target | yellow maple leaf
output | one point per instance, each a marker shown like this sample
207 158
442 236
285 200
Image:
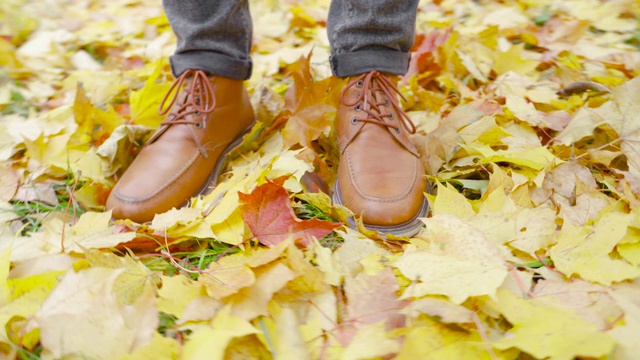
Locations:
232 230
176 293
159 348
536 158
85 304
231 273
430 340
513 60
461 262
584 251
26 297
94 124
547 331
92 231
371 341
145 102
450 201
210 341
252 301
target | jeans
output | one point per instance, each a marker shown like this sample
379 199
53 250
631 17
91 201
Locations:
365 35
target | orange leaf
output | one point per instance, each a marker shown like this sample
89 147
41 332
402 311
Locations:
270 217
424 51
312 104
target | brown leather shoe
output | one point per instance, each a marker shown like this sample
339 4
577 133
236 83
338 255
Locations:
380 175
206 118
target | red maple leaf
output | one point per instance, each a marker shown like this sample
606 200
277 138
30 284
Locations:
270 217
424 52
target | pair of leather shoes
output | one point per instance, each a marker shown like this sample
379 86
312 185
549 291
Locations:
380 175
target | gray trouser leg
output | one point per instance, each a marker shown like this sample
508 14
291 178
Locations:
371 35
213 36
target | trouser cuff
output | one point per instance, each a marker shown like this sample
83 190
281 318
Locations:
212 63
364 61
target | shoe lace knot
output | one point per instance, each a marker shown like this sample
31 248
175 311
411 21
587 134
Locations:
373 83
198 99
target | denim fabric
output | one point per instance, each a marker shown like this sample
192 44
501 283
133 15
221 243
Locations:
370 35
213 36
365 35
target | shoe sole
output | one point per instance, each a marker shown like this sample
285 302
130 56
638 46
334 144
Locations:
407 229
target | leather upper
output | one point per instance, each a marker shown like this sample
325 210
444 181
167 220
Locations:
380 175
204 116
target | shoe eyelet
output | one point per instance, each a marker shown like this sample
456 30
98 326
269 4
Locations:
354 120
391 117
198 125
358 95
386 102
359 83
397 130
197 100
358 107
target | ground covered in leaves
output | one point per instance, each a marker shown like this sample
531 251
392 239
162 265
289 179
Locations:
529 127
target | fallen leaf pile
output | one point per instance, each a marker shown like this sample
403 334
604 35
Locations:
528 116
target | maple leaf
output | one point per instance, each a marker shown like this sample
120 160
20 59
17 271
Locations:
87 302
422 52
528 176
268 212
372 298
460 263
547 331
312 104
585 250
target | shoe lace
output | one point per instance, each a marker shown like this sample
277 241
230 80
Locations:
372 83
200 99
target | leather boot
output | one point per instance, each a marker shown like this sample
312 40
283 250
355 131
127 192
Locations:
380 175
206 118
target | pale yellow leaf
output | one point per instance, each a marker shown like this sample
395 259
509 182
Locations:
226 276
176 293
446 311
116 150
353 250
514 60
159 348
485 130
231 230
584 251
371 341
439 342
252 302
289 344
38 288
8 181
208 342
460 263
590 301
547 331
626 101
84 304
536 158
525 111
630 252
450 201
90 222
626 297
145 102
175 217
